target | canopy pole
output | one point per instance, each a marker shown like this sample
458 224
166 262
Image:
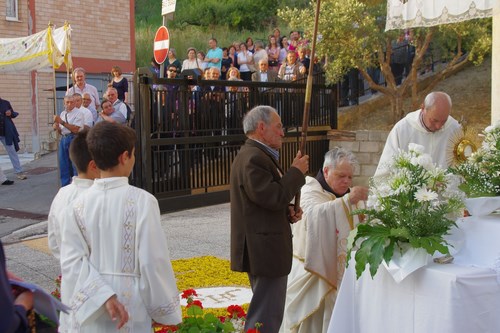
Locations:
307 102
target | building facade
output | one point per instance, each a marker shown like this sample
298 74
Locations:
103 35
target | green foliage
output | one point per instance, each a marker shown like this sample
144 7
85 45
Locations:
354 30
235 14
353 36
350 32
196 322
195 22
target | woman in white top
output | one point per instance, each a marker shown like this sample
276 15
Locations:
201 61
191 62
283 50
245 61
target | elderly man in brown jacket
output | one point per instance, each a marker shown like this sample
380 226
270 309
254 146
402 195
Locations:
261 213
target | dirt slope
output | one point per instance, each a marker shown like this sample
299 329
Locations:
470 91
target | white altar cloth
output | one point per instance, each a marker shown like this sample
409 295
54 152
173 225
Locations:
463 297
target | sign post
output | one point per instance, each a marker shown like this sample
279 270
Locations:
167 10
167 7
161 45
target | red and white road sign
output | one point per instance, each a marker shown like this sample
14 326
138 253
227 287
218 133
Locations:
161 45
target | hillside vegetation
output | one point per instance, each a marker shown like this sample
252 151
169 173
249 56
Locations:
195 22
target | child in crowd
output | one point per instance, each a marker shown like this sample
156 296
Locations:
114 251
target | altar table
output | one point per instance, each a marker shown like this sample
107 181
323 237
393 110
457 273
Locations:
463 297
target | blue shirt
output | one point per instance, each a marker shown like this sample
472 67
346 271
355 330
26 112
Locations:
217 53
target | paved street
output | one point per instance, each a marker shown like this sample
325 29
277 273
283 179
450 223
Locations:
23 224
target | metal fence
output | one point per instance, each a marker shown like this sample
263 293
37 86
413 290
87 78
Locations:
190 131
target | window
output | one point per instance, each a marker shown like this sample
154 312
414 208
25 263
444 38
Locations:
12 10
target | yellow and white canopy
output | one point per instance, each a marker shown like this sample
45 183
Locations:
47 48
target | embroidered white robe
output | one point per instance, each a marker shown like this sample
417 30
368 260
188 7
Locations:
58 214
62 201
319 258
410 130
114 244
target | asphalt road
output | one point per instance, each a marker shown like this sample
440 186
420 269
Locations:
27 202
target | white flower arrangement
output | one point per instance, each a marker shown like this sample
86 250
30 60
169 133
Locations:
417 203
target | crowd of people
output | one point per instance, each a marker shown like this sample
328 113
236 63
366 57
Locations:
81 105
286 56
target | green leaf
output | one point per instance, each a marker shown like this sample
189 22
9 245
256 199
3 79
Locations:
430 244
351 238
389 250
194 330
194 310
376 255
370 252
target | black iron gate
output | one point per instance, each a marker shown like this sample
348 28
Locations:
190 131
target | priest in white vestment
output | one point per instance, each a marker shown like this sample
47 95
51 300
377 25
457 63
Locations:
320 243
113 246
431 126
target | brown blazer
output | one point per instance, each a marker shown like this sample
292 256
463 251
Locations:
272 76
261 237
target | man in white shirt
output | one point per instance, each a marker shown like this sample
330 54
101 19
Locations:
431 127
119 106
260 53
81 86
88 119
87 102
70 122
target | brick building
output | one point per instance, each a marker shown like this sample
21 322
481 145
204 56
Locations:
102 36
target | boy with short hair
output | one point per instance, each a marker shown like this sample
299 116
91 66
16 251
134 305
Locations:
114 246
87 172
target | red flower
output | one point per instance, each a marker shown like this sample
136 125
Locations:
188 293
253 330
222 319
195 302
236 311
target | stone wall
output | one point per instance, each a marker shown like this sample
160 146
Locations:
366 145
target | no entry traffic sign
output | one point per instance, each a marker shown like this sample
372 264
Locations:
161 44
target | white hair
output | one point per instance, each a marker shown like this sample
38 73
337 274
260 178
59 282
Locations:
254 116
336 155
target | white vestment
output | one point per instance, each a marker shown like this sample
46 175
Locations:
113 243
62 201
58 214
319 259
410 130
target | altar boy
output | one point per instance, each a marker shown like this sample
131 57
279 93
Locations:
114 246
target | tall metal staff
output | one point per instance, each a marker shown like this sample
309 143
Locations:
307 102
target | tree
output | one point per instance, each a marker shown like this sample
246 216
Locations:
352 36
235 14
